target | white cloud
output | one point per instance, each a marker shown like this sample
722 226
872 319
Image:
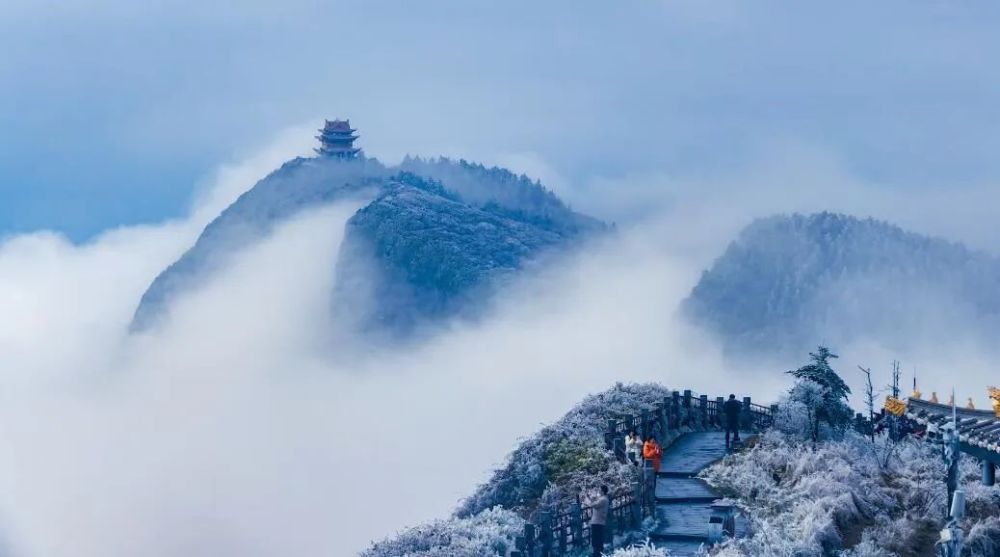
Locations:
234 430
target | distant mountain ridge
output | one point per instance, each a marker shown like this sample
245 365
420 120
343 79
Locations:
790 281
435 239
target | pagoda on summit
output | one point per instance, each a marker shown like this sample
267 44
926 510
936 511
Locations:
336 140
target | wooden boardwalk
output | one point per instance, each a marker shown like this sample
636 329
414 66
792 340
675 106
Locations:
683 502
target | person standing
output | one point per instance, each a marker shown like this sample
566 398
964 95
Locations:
633 448
651 451
599 510
732 409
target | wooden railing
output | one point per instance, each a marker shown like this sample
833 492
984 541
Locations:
563 530
568 529
679 411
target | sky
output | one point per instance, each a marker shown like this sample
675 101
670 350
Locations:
126 127
115 113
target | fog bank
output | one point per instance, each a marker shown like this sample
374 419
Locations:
234 428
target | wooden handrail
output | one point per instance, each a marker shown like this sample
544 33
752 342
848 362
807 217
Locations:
562 530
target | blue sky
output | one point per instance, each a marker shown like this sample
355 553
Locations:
113 111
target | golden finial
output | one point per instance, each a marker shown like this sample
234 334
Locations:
915 394
969 405
995 400
934 398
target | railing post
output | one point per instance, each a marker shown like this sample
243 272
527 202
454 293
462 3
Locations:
746 418
545 532
664 416
647 427
636 508
613 441
719 403
704 411
529 539
989 473
675 410
609 435
686 420
562 537
576 522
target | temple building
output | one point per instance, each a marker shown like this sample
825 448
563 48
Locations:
336 140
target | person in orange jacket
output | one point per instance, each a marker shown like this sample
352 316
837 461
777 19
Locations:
651 451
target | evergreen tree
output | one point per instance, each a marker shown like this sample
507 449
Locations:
832 406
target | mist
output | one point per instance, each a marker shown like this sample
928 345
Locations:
236 428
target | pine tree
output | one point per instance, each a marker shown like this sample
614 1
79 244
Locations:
832 408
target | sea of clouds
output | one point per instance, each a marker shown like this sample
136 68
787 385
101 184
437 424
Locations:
236 427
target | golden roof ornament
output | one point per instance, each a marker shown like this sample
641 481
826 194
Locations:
895 406
995 400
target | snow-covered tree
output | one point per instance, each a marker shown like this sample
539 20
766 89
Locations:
822 392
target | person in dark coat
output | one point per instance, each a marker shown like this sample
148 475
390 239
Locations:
732 409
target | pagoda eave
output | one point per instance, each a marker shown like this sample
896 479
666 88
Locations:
334 136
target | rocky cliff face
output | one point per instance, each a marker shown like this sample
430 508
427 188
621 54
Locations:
428 246
788 283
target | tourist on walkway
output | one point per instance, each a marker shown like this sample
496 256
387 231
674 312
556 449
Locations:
652 452
600 508
633 448
732 409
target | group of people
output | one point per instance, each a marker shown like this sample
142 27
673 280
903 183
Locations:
637 450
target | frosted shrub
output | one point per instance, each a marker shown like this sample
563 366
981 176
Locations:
809 499
524 479
983 538
792 419
550 468
489 533
982 513
643 550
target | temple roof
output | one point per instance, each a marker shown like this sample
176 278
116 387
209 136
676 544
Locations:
338 126
976 428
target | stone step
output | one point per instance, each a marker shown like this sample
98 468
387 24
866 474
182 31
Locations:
687 521
680 548
677 475
669 490
693 452
683 502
